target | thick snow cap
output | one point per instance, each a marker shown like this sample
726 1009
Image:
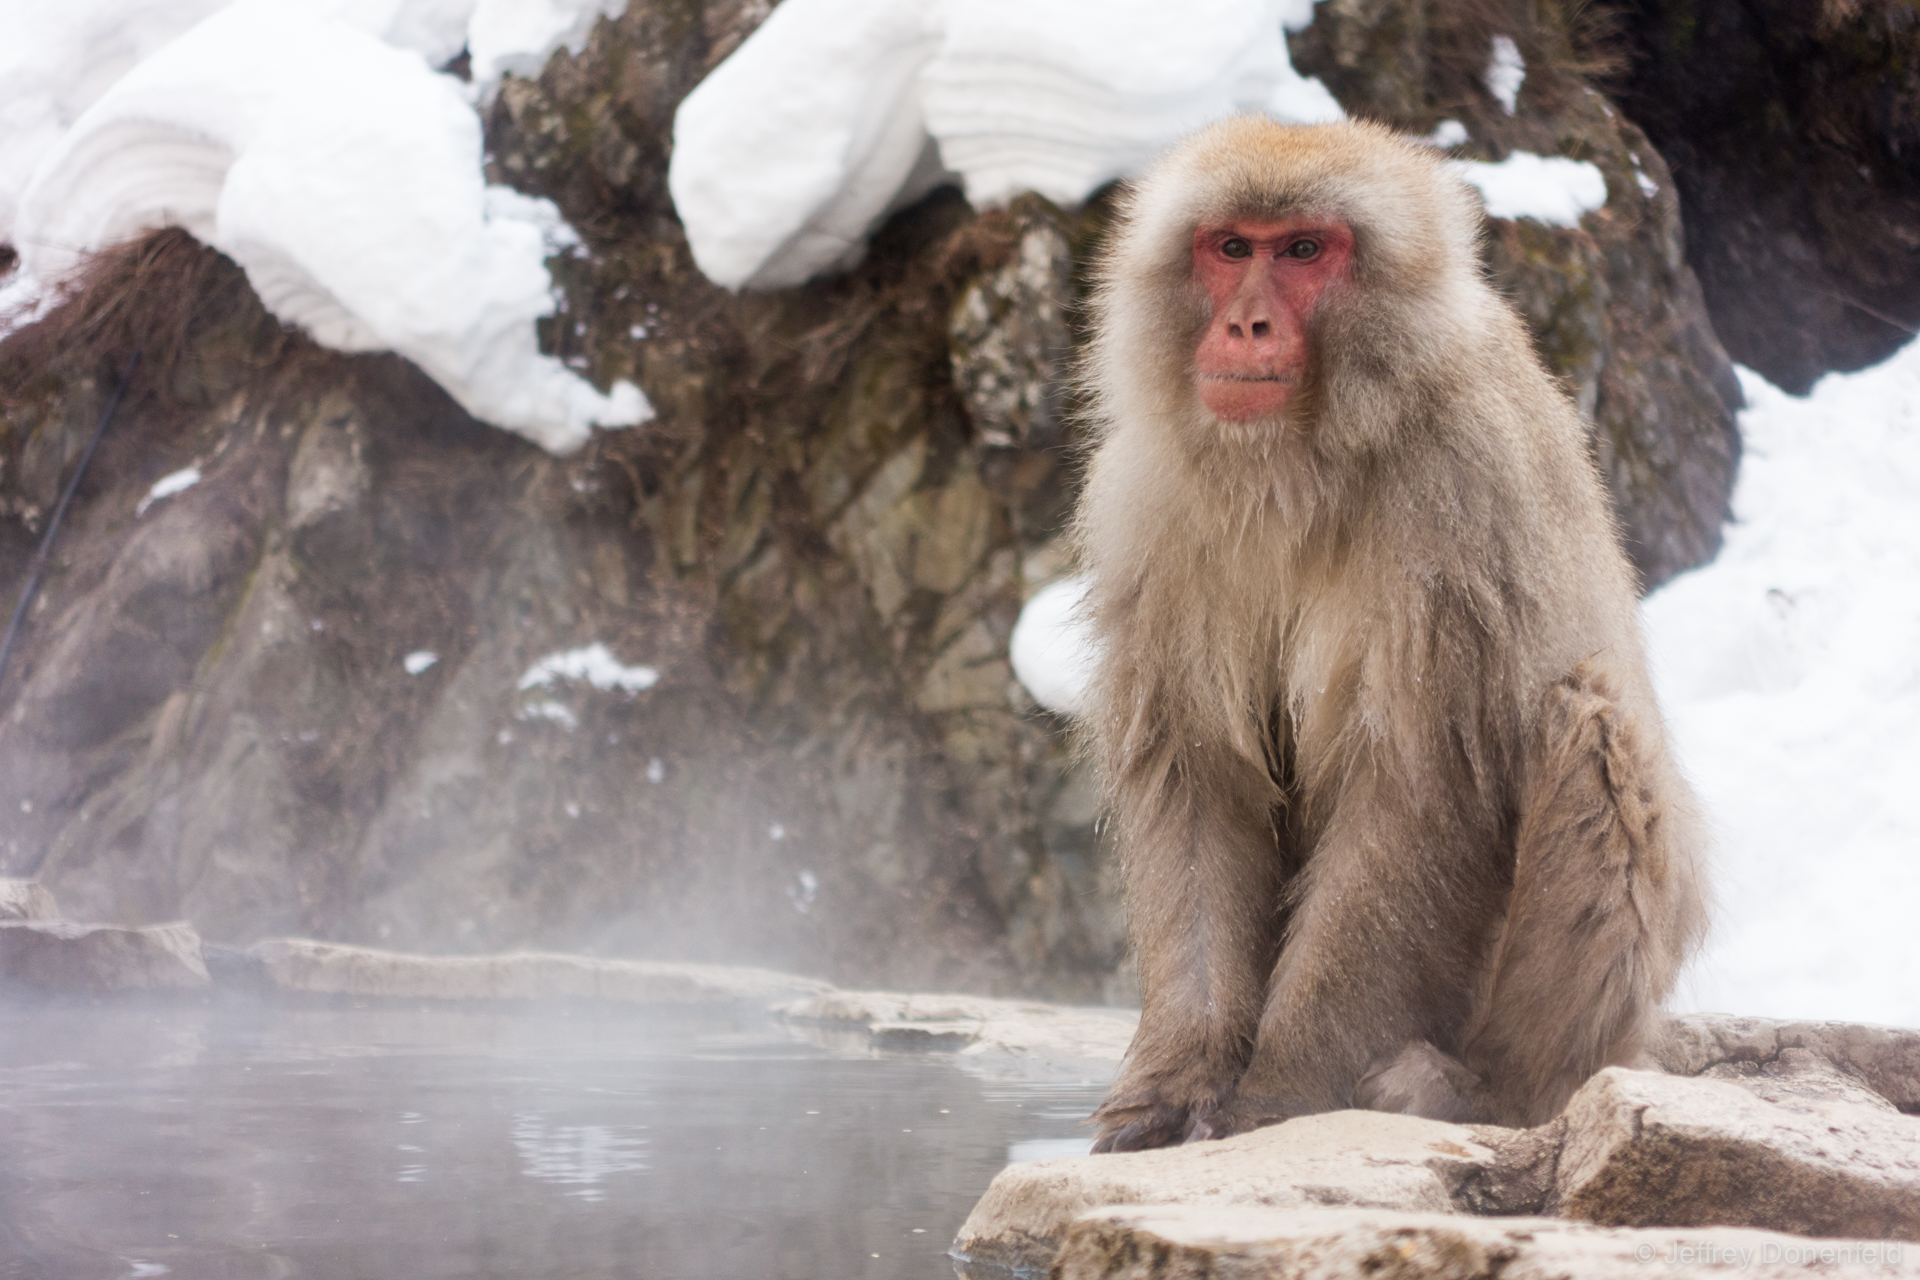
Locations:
344 175
836 112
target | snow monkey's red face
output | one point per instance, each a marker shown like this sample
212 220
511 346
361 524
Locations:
1265 280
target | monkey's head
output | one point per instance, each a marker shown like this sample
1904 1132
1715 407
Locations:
1267 277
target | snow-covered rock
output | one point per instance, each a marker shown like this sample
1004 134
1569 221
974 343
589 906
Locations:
313 144
780 169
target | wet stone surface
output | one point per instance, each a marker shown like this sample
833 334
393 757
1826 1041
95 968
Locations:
238 1139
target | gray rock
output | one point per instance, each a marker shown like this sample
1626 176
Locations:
1802 1149
1791 134
54 956
325 968
26 900
1252 1243
1011 345
1362 1159
1886 1059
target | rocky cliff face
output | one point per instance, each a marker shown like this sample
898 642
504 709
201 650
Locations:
222 704
1793 131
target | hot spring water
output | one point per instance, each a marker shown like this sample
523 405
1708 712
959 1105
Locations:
237 1140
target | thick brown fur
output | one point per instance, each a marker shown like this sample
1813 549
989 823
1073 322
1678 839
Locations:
1400 822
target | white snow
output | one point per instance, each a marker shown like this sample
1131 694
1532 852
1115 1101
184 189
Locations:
418 661
1051 651
516 36
1506 72
804 889
1551 189
57 58
595 664
23 300
1448 133
1648 187
548 709
779 172
1790 673
310 141
166 486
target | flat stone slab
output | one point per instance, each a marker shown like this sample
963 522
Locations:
26 900
300 965
1359 1158
1785 1142
57 957
1188 1242
1799 1147
976 1027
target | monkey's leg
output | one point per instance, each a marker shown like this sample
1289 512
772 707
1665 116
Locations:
1387 932
1606 906
1204 874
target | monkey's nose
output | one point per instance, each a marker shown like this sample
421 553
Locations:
1260 330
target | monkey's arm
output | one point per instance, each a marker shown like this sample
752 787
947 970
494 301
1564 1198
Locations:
1606 904
1389 916
1204 877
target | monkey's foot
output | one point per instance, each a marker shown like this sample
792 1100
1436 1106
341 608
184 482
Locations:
1242 1115
1145 1118
1420 1080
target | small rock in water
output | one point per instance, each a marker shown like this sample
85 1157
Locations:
924 1036
54 956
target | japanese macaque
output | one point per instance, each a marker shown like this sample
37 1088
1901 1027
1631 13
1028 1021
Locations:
1400 823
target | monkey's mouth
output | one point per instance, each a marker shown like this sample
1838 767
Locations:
1245 397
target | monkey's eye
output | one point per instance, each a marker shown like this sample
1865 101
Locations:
1303 249
1235 247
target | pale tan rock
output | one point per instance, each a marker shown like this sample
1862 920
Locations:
1358 1158
54 956
26 900
1802 1150
1214 1242
1039 1034
326 968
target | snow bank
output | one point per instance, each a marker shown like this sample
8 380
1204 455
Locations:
780 171
1790 672
311 142
1051 652
1553 189
57 59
